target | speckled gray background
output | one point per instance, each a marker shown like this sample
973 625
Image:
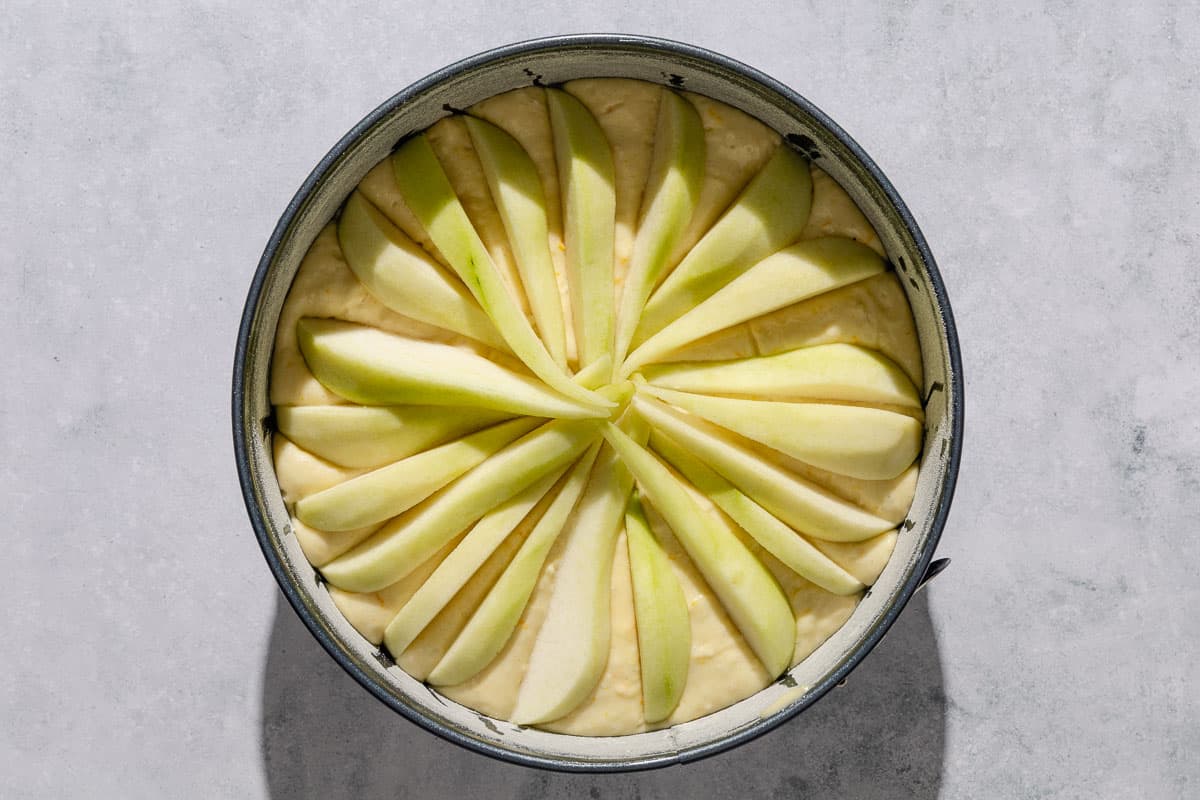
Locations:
1050 154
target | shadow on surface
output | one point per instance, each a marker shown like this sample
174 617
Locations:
880 736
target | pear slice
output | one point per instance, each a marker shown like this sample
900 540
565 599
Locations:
795 273
664 629
585 170
408 540
370 612
404 278
745 588
453 573
676 175
372 367
428 192
769 214
872 313
776 538
864 560
493 623
858 441
517 192
572 647
626 111
805 507
736 147
826 372
385 492
371 436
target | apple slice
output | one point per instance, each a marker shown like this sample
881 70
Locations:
572 646
663 626
676 175
405 542
494 621
517 192
807 508
775 537
428 192
826 372
453 573
803 270
585 170
769 214
372 367
745 588
385 492
858 441
404 278
371 436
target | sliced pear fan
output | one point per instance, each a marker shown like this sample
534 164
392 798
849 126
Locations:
586 327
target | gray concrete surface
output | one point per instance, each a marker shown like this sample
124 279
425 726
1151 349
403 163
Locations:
1049 152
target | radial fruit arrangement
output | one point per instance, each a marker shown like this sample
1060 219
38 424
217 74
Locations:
596 406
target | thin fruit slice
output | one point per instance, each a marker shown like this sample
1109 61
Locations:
585 170
626 111
494 621
404 278
453 573
676 175
370 612
826 372
769 214
370 436
858 441
793 274
428 192
775 537
517 192
746 589
572 646
385 492
805 507
872 313
864 560
369 366
405 542
663 629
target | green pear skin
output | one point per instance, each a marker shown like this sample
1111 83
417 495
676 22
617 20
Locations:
664 628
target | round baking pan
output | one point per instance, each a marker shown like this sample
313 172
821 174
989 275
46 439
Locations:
804 127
